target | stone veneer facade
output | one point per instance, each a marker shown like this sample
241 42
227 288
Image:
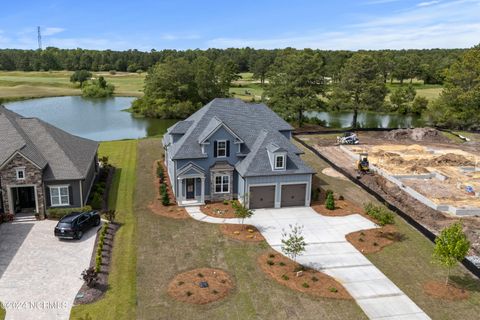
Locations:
33 177
221 196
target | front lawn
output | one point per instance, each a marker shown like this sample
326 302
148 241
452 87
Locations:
119 301
408 262
167 247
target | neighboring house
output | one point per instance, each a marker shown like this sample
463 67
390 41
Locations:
42 166
230 149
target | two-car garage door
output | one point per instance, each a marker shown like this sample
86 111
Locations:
292 195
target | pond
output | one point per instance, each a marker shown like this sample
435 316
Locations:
96 119
367 119
104 119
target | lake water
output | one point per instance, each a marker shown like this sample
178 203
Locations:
367 119
103 119
96 119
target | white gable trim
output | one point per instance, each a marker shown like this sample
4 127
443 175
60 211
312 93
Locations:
191 166
238 139
13 156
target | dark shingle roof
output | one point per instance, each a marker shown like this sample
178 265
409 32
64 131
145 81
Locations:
64 156
250 122
180 127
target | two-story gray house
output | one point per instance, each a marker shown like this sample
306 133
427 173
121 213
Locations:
230 149
42 166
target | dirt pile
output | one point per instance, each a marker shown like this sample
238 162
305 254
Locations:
417 134
449 159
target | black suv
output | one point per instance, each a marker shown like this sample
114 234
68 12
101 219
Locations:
75 224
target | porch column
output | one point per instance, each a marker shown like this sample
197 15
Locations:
202 188
180 190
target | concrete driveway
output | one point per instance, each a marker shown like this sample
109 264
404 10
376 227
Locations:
39 274
328 251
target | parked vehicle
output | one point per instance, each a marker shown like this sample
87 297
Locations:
348 138
74 225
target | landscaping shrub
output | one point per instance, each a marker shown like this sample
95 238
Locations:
330 202
226 202
379 213
333 289
305 285
165 199
314 279
270 262
97 201
58 213
89 276
160 172
316 194
110 215
285 277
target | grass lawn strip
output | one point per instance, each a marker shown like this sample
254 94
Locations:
119 301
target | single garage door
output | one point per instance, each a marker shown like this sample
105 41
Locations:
262 197
293 195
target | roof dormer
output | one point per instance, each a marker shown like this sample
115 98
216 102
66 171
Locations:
277 156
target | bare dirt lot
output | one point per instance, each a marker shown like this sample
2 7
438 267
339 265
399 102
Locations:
432 219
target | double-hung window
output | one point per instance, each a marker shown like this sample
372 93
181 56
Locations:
221 148
279 162
59 196
222 184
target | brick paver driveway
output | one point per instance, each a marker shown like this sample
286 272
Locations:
39 274
328 251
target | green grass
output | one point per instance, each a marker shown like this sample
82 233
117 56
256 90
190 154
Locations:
167 247
2 313
407 263
119 301
16 85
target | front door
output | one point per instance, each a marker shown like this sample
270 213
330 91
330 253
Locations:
190 188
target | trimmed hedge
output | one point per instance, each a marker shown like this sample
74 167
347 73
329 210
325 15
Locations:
58 213
379 213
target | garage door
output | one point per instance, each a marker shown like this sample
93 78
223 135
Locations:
262 197
293 195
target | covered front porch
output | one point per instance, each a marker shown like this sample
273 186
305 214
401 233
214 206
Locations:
191 186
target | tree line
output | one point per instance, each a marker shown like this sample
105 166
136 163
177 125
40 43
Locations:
404 65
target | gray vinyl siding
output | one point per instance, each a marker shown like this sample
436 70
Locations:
74 187
278 181
87 183
206 163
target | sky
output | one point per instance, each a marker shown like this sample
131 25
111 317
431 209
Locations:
261 24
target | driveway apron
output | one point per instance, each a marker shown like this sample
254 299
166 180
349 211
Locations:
328 251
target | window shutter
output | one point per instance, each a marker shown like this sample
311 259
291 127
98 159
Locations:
215 149
228 148
70 195
47 196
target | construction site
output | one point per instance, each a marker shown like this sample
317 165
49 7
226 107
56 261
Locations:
429 175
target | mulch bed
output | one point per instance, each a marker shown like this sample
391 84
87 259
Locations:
89 295
283 270
218 210
186 287
241 232
374 240
342 208
441 291
156 206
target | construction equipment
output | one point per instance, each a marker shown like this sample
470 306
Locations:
363 165
348 138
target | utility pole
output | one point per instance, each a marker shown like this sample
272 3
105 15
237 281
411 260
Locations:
39 38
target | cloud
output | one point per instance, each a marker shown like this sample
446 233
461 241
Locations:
452 24
427 3
172 37
373 2
50 31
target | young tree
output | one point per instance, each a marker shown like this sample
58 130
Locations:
293 243
241 211
330 201
361 86
295 83
80 76
451 246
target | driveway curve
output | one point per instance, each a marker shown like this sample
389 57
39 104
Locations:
39 274
328 251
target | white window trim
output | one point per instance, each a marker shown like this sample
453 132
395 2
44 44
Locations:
221 183
218 148
20 169
275 161
58 187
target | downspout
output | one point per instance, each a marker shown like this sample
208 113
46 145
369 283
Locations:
81 192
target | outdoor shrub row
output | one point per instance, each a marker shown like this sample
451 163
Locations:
101 242
58 213
379 213
160 172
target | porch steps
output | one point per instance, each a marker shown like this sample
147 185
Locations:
24 218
